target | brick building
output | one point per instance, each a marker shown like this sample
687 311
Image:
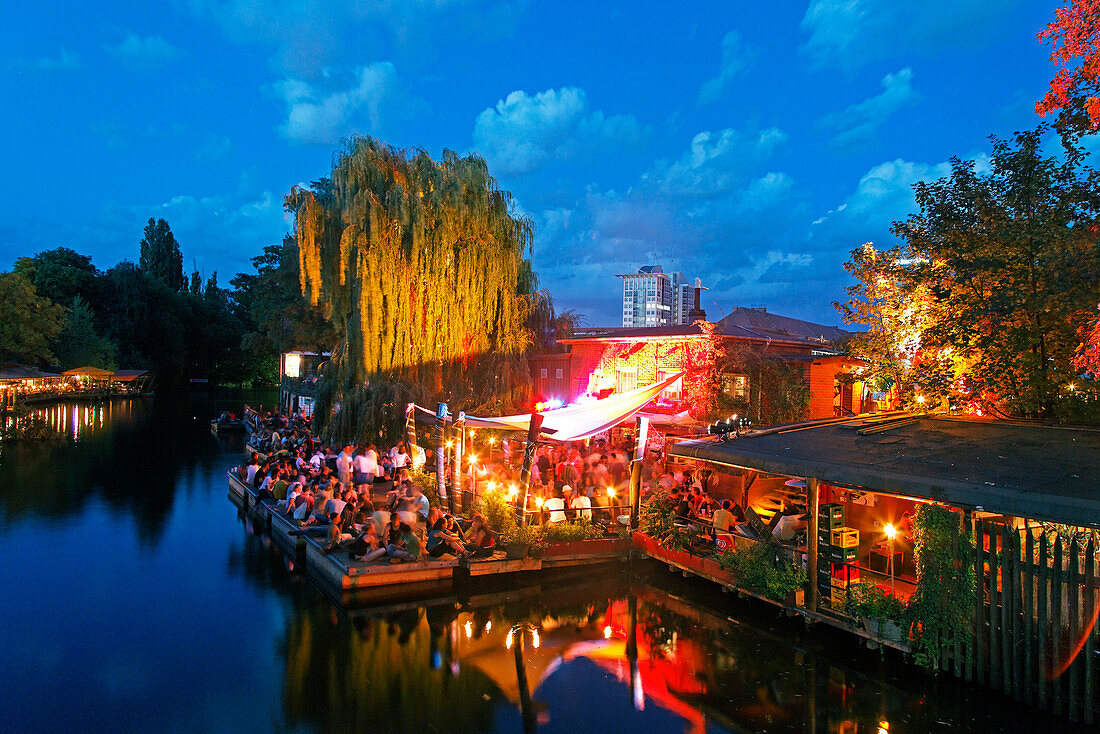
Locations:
606 360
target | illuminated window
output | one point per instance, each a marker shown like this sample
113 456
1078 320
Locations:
558 373
626 378
542 373
292 366
673 391
736 386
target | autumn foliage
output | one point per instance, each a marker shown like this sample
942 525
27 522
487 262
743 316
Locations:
1074 37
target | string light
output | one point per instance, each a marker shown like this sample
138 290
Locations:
488 625
607 632
508 639
469 627
535 638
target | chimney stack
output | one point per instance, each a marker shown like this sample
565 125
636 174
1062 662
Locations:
697 313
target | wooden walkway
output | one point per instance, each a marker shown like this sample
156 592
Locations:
340 574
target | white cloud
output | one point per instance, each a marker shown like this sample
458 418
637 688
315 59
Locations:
324 116
857 123
716 163
734 56
308 36
144 52
521 133
66 61
848 33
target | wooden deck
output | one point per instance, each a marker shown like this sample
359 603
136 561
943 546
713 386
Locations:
339 574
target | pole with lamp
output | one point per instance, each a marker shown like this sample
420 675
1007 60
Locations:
891 533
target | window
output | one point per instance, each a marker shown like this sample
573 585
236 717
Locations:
736 386
626 378
542 373
559 373
674 391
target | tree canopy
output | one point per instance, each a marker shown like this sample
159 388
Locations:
997 274
161 258
28 323
1074 38
422 266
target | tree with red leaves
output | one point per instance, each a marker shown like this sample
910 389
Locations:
1074 37
1087 358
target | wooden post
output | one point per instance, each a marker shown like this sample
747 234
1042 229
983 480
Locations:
1029 612
440 455
526 705
641 431
1073 597
1056 622
410 426
812 500
533 432
1088 650
458 435
1042 625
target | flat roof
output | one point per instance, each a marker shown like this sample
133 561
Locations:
1023 469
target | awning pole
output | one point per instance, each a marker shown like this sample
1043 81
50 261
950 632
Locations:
533 432
812 499
641 429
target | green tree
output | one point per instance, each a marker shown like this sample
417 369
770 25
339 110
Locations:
28 323
160 255
422 266
61 275
1008 261
79 343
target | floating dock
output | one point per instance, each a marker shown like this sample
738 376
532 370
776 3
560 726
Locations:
340 575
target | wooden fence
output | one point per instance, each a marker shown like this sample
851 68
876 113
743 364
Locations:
1035 627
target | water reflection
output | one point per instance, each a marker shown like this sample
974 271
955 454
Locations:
632 656
131 453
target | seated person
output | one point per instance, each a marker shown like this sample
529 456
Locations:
481 539
788 526
336 538
367 546
723 518
684 515
583 506
556 507
445 537
407 547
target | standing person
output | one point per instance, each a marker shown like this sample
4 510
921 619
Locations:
374 466
343 466
362 473
399 458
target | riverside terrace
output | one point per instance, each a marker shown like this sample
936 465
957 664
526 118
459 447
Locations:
1028 494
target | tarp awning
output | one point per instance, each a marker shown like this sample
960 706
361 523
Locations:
577 422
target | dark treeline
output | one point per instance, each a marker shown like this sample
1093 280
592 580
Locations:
59 311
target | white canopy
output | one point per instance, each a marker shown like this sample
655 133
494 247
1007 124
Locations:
577 422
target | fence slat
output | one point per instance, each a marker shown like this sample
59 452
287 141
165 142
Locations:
1029 612
981 634
1073 600
1090 644
976 617
995 677
1056 625
1043 620
1014 612
1006 606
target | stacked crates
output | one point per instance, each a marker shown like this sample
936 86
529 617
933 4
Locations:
837 546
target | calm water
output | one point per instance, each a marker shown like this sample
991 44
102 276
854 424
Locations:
137 600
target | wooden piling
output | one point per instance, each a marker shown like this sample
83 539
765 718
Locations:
813 495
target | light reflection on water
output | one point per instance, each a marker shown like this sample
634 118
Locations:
137 600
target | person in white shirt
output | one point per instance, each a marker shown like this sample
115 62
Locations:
343 466
583 506
398 457
556 507
316 461
374 466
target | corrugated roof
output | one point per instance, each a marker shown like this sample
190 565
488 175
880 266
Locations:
761 322
1027 470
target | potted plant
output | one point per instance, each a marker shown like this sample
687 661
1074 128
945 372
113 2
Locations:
878 611
518 540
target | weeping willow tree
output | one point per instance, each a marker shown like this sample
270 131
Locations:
423 266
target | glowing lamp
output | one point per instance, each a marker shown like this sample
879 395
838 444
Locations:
508 639
535 638
920 399
891 531
488 625
450 444
292 365
492 442
607 632
469 628
611 492
539 502
471 458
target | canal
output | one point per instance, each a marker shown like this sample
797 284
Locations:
136 599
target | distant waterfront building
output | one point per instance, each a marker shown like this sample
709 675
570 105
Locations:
652 297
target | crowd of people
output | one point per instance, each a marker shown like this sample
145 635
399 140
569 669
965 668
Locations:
359 500
363 500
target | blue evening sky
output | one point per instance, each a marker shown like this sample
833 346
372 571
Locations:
750 144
